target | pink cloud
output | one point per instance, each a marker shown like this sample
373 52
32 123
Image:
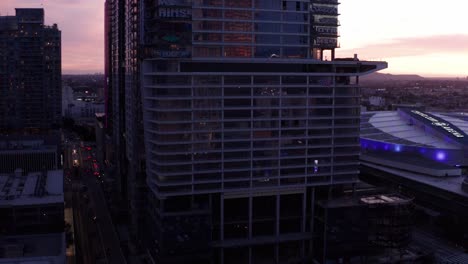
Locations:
82 26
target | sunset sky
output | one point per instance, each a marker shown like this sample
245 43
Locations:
423 37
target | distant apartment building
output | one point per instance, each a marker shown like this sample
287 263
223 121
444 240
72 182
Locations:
248 118
80 108
30 72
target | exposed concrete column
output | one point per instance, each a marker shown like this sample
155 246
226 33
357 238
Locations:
221 226
221 222
312 215
304 220
277 226
278 206
250 205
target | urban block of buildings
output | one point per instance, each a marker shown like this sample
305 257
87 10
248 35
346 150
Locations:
81 107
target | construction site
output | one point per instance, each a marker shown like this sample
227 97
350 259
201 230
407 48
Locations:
367 228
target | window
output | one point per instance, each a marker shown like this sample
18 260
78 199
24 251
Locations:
267 27
267 52
267 39
267 15
207 37
237 37
208 13
238 3
207 51
238 26
268 4
207 25
238 14
238 51
295 52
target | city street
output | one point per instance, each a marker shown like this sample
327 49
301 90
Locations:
104 222
96 239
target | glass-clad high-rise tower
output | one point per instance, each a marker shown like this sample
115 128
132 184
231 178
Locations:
248 118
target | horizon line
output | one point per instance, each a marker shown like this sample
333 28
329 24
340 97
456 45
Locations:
429 75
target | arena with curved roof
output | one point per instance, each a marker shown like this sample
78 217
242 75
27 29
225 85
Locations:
435 141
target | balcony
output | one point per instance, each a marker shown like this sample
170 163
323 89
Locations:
327 21
331 2
324 10
326 31
330 43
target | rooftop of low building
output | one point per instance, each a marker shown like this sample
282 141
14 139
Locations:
45 187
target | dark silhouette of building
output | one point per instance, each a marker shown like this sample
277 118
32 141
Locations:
248 120
107 63
31 182
30 75
124 109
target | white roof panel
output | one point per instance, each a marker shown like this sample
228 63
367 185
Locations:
392 124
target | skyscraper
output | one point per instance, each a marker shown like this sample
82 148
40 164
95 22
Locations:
248 120
135 152
123 100
107 62
30 75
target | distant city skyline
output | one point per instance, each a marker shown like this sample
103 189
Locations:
415 37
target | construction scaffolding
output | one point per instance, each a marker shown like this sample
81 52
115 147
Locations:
372 228
390 221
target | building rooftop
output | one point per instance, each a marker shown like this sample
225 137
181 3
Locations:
390 127
364 199
383 199
34 188
449 184
15 145
37 249
407 159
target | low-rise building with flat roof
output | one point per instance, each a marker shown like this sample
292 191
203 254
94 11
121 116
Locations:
33 249
30 153
31 203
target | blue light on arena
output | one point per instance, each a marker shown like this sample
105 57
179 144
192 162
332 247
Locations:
397 148
441 155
